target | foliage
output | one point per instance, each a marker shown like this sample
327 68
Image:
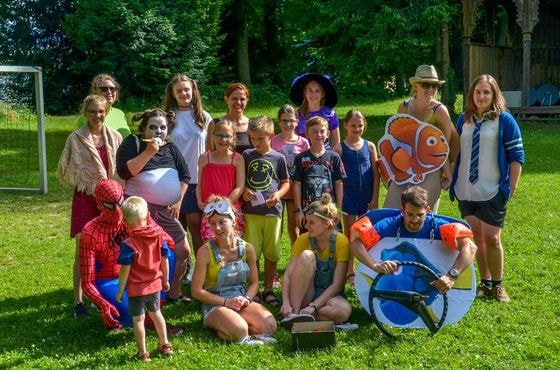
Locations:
36 290
143 44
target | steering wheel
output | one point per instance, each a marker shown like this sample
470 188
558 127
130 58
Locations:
412 300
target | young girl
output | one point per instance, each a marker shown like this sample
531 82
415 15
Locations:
88 157
236 97
361 185
290 144
221 172
226 280
183 97
483 185
316 96
313 285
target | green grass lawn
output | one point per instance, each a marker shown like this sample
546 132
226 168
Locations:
38 330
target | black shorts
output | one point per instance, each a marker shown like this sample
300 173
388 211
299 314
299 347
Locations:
492 211
138 305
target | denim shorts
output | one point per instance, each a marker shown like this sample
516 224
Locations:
138 305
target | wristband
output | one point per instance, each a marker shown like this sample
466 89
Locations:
313 305
248 298
225 301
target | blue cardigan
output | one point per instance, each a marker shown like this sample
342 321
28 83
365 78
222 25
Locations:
510 149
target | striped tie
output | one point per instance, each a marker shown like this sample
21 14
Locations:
473 172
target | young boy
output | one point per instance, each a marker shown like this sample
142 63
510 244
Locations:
267 180
317 170
145 272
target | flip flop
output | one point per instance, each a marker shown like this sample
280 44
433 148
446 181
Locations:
269 298
182 299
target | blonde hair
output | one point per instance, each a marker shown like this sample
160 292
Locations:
94 98
263 124
326 208
316 121
223 124
134 208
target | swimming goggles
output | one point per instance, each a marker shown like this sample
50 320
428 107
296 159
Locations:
310 211
221 207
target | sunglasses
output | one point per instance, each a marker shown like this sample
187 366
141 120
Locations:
108 88
311 211
427 85
223 136
221 207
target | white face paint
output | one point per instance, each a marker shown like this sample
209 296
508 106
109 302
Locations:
156 127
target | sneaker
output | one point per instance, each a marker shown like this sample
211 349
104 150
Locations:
265 338
174 331
499 294
247 341
289 320
276 282
347 326
80 311
482 290
94 307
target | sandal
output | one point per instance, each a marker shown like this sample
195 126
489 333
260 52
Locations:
269 298
144 357
165 349
350 278
257 298
182 299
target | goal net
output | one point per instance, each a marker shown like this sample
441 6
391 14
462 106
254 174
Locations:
23 162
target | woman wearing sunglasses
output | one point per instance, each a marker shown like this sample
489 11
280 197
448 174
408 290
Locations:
423 106
225 280
105 85
313 284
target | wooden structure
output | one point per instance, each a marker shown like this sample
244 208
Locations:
517 42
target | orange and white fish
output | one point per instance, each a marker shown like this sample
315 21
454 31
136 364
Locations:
410 149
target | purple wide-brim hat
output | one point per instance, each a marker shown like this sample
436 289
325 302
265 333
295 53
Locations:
296 91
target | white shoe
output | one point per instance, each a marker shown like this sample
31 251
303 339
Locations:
347 326
249 342
289 320
265 338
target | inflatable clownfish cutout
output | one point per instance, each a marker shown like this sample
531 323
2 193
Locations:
410 149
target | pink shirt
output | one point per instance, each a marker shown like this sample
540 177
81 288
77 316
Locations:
290 150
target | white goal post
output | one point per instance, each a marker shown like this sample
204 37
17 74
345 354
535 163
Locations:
40 113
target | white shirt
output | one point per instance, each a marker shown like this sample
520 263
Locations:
488 183
190 139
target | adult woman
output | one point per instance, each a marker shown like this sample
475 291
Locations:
315 95
191 123
106 85
424 107
88 157
486 176
236 97
155 170
313 283
225 280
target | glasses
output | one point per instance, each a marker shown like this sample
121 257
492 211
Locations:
427 85
95 112
221 207
223 137
287 121
108 88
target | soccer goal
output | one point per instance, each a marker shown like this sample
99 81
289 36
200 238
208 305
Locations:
23 159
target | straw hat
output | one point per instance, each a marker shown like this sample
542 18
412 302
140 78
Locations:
425 73
296 91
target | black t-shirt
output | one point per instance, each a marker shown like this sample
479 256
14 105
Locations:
168 156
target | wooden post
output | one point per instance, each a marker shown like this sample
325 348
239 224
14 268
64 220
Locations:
526 67
527 17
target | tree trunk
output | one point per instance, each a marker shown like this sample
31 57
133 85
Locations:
241 43
445 65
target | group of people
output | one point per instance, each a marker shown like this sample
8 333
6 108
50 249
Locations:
228 180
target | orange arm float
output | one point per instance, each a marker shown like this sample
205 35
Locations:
366 232
450 232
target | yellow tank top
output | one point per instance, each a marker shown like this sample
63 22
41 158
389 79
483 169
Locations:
214 268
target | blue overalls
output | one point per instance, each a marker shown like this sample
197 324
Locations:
232 277
324 274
